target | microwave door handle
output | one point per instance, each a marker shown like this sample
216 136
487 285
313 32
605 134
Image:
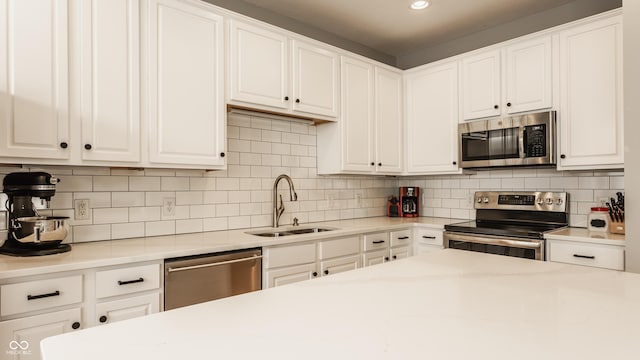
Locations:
521 131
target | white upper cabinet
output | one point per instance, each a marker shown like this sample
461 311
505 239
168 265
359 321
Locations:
480 85
34 70
368 137
186 110
315 79
388 121
514 79
528 75
258 65
432 119
270 71
110 80
591 117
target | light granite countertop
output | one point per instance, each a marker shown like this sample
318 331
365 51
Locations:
117 252
443 305
584 235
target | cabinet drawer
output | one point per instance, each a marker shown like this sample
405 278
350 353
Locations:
42 294
429 236
375 241
289 255
400 238
602 256
339 247
127 280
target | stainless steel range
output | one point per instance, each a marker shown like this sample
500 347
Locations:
510 223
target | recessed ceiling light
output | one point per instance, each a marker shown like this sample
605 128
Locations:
419 5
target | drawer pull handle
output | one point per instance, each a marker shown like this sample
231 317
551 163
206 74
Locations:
403 238
379 242
42 296
584 256
428 237
130 281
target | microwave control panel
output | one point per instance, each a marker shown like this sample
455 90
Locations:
535 144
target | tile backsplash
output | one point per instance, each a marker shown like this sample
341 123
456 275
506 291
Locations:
134 203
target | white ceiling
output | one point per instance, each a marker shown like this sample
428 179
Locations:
389 26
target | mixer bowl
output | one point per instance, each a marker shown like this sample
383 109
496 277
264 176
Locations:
41 229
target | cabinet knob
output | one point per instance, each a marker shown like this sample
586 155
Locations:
75 325
508 104
87 146
326 272
562 156
298 100
315 273
380 164
386 258
455 163
373 164
495 106
222 154
286 98
64 145
394 257
103 319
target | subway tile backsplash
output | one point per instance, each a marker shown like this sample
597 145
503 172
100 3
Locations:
127 203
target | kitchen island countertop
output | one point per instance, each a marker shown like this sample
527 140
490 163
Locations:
449 304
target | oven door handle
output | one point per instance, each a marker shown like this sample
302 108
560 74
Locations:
495 241
521 142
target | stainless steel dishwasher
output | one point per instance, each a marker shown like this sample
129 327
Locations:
195 279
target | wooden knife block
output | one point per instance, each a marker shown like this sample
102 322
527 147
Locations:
616 227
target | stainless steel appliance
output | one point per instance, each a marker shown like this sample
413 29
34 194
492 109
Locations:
522 140
510 223
30 234
195 279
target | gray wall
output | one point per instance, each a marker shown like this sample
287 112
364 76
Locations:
631 33
290 24
543 20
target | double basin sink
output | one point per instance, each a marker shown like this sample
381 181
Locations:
289 232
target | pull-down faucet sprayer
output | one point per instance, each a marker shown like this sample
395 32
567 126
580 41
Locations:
278 210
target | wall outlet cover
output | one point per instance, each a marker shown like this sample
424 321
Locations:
169 207
81 209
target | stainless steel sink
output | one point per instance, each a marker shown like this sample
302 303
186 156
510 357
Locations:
289 232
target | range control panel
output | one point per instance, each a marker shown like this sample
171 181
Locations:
522 200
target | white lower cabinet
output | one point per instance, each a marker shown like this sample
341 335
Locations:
128 308
289 275
427 240
22 336
375 257
400 253
334 266
588 254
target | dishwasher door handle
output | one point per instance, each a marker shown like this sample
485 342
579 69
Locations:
255 257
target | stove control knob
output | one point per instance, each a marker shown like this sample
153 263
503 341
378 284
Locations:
549 201
540 201
558 201
485 200
479 200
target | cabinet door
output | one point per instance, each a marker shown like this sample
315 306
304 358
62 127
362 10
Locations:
400 253
480 82
432 119
529 75
34 71
128 308
334 266
591 122
258 66
357 116
186 98
110 80
289 275
25 334
315 79
388 121
375 257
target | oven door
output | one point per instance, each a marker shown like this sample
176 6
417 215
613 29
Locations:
500 245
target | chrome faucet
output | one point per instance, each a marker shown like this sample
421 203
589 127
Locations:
278 210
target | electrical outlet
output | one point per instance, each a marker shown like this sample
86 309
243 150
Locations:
82 210
359 200
169 207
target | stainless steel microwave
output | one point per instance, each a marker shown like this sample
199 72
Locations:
523 140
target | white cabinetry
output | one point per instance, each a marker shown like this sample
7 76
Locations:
368 137
185 70
432 119
502 81
427 240
34 90
127 308
588 254
591 117
375 248
110 80
338 255
273 72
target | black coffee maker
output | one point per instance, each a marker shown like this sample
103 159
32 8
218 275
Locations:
30 234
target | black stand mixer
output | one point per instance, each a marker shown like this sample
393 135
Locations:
28 233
